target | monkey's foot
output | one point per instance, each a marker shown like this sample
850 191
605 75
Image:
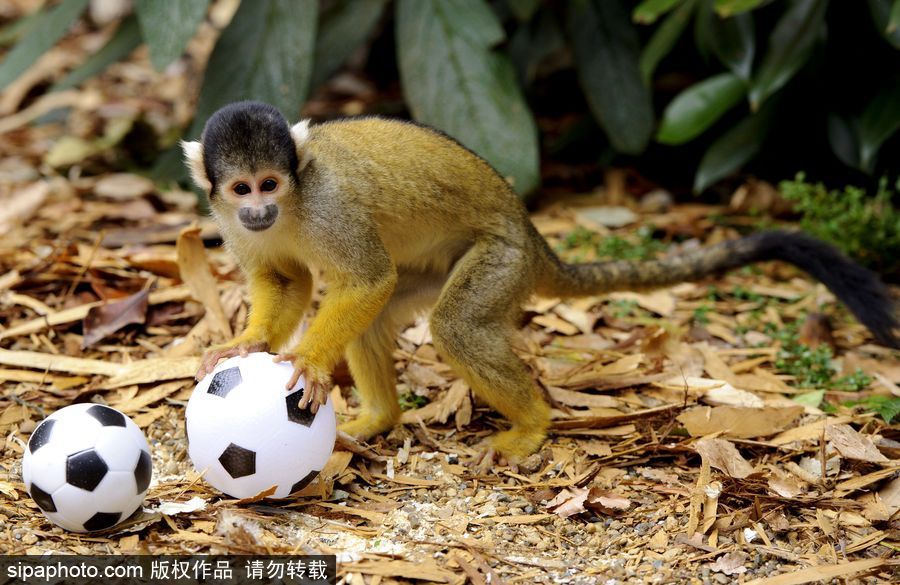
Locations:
364 427
516 443
218 352
318 382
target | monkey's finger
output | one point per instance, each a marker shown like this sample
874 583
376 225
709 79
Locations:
295 377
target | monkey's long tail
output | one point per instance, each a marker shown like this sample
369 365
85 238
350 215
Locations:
858 288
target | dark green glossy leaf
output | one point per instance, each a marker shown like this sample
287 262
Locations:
732 40
886 15
264 54
733 149
790 46
43 34
664 39
842 136
167 26
532 44
879 121
731 7
18 28
342 29
125 40
699 106
606 56
454 80
649 10
523 9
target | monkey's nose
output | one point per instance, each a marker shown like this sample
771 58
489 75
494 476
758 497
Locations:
256 219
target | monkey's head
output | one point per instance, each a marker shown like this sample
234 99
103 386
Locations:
247 159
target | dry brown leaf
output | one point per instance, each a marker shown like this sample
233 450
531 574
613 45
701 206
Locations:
583 399
554 323
737 422
606 500
194 268
23 204
724 456
569 502
731 563
104 320
123 186
662 302
853 445
452 400
819 573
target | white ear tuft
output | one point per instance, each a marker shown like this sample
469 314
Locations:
300 134
193 157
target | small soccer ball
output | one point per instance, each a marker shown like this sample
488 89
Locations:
87 467
246 433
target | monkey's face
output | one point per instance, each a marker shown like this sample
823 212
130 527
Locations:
254 197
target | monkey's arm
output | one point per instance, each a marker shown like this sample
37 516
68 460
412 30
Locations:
358 288
278 300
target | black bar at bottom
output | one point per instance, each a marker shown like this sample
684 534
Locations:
168 570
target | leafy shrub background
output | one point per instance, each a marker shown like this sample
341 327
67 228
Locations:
675 87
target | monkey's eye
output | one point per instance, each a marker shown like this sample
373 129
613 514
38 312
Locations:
268 185
242 188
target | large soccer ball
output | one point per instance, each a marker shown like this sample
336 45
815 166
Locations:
87 466
246 434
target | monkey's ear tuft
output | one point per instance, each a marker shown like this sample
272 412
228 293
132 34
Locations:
193 157
300 134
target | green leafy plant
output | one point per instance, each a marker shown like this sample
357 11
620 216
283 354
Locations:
411 401
887 407
812 367
638 246
474 69
867 228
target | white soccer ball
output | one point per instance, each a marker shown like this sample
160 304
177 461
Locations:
87 466
246 433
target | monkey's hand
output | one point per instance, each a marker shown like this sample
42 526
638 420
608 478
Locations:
318 381
239 346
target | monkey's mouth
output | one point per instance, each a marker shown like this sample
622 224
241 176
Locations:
257 220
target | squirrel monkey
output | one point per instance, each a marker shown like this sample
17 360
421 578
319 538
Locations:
400 218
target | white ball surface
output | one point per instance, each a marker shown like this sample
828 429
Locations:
246 434
87 466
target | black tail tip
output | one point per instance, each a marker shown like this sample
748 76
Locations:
860 289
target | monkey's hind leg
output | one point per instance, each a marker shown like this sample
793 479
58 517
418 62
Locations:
472 325
370 357
371 362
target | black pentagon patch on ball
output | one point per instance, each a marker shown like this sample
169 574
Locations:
225 381
305 481
85 469
42 499
41 435
237 461
106 416
296 414
102 520
142 471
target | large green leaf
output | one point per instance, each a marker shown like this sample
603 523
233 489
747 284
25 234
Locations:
664 39
699 106
727 8
731 39
524 9
879 121
264 54
533 43
606 56
125 40
454 80
790 46
649 10
342 29
844 140
167 26
42 35
886 15
733 149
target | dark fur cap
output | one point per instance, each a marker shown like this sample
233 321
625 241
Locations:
247 135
